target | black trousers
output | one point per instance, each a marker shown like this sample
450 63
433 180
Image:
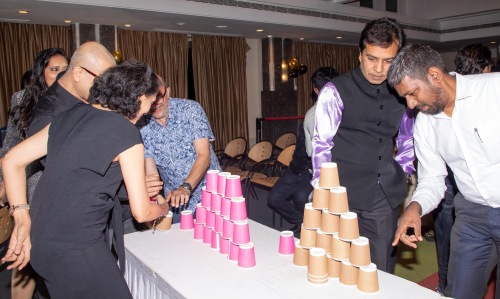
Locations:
379 226
294 186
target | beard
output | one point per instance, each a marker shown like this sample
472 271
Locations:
437 105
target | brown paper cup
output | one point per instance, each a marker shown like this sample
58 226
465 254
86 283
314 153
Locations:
321 197
307 237
368 279
165 223
300 255
317 281
318 265
348 274
360 252
312 217
348 227
340 250
338 202
329 222
333 267
329 175
323 241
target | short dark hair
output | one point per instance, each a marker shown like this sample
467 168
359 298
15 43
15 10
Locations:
382 33
472 59
322 76
414 61
120 87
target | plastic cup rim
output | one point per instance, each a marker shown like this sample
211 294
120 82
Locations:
248 245
169 214
241 222
186 212
328 165
339 189
361 241
317 186
309 206
225 173
319 231
233 177
238 199
316 251
226 218
349 215
213 171
286 233
347 263
308 228
370 268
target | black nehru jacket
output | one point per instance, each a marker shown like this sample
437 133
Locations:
300 160
363 145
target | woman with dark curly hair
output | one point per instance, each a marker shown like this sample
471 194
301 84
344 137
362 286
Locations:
46 66
90 149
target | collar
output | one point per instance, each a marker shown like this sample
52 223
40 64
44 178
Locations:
358 74
69 100
462 91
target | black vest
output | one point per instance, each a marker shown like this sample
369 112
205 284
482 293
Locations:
363 145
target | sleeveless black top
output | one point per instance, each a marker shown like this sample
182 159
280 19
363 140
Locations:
76 192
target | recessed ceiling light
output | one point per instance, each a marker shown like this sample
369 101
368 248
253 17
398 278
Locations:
493 42
127 25
269 36
221 26
24 11
180 23
67 21
339 36
301 38
428 46
260 30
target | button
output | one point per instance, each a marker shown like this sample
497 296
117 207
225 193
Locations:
378 174
379 158
380 140
379 123
378 90
381 107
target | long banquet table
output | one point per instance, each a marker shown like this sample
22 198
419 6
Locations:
173 264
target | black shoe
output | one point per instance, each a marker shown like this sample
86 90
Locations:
429 237
295 228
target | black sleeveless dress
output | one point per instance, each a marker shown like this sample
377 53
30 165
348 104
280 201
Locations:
73 203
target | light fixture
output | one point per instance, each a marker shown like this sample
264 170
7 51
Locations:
493 42
67 21
269 36
180 23
24 11
339 37
221 26
284 65
127 25
301 38
260 30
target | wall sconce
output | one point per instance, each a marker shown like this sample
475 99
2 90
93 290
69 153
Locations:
284 72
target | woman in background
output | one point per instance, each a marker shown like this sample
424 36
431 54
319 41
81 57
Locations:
47 65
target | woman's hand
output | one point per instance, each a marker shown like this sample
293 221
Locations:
20 242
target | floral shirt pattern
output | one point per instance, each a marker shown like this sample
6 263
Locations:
172 147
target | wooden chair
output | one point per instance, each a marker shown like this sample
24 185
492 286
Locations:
284 159
283 142
234 152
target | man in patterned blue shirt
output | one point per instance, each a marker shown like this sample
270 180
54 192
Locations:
178 138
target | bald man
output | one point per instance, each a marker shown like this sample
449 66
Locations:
72 89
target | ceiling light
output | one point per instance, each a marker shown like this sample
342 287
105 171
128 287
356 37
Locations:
180 23
493 42
269 36
339 36
67 21
24 11
260 30
127 25
221 26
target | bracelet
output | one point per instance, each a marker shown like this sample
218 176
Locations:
18 207
162 215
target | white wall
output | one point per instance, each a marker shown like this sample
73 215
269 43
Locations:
449 58
254 86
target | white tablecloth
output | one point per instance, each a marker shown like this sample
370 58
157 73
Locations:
173 264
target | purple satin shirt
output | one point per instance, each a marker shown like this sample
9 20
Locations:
327 121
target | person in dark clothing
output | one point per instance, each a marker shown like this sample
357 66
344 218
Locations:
90 150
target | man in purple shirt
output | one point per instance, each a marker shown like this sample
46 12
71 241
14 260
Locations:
357 116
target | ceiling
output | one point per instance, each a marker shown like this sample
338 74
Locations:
55 13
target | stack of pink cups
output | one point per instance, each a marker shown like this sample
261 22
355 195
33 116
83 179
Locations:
221 218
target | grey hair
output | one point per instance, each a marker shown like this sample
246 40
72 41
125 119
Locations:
414 61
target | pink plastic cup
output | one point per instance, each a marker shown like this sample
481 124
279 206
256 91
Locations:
233 252
215 205
212 177
215 240
207 235
225 208
228 228
287 243
246 256
210 219
238 209
187 220
224 245
201 214
221 182
233 186
206 198
241 233
219 223
198 230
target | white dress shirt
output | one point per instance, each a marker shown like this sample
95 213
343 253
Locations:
469 142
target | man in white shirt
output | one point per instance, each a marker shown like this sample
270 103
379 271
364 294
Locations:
459 126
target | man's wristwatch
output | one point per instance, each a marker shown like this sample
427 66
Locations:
408 178
188 187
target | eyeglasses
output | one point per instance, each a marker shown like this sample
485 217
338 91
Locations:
89 72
